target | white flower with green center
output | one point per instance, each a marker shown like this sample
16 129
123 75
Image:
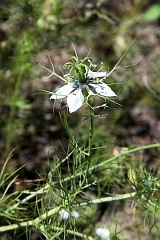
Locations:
73 90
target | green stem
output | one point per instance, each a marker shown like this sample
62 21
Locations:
71 232
46 187
110 199
91 112
42 190
30 223
48 214
91 132
112 159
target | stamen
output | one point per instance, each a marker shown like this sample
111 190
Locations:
82 85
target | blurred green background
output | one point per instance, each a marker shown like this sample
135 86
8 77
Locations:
32 30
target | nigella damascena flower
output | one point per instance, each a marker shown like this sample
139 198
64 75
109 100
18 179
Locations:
74 90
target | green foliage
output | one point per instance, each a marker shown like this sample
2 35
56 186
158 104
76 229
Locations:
153 13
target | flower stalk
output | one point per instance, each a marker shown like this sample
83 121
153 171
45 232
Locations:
90 141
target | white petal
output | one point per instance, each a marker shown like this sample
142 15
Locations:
103 89
96 74
62 92
75 100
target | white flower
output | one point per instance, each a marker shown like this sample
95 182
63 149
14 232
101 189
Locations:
103 233
64 214
73 90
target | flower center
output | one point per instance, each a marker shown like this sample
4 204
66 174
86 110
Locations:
80 85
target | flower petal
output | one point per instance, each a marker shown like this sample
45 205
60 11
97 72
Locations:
96 74
75 100
103 90
62 92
